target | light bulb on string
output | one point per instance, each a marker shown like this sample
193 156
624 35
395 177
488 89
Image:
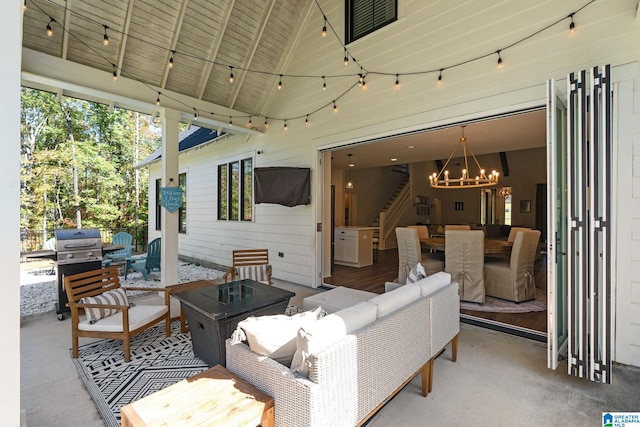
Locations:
324 84
335 107
249 124
440 81
572 25
397 84
230 74
280 82
49 29
24 6
266 122
115 72
500 64
360 77
306 121
285 127
324 27
230 121
158 99
171 59
346 57
105 39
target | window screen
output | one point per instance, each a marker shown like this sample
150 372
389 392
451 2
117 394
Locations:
366 16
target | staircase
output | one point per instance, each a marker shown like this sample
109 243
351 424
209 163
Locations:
390 214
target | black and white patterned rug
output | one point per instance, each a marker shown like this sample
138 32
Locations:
157 361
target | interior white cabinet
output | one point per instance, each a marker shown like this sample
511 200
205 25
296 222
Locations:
353 246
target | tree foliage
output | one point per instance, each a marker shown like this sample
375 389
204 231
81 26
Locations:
79 157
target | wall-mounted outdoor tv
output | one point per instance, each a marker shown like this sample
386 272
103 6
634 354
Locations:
285 186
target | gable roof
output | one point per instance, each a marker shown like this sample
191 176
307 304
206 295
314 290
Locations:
189 138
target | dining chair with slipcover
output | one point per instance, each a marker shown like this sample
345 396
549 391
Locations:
409 254
464 260
514 280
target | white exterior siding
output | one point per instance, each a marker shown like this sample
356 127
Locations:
427 36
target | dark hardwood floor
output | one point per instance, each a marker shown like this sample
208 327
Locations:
385 269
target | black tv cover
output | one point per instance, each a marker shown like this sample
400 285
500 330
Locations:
282 185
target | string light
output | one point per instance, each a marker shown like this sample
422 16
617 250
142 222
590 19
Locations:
397 85
266 122
230 74
230 121
105 39
158 99
324 27
249 124
306 121
324 84
49 29
24 6
285 125
361 75
195 114
572 25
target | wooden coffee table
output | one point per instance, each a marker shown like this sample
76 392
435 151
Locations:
213 313
215 397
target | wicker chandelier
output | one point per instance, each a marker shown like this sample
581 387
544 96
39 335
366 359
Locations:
466 180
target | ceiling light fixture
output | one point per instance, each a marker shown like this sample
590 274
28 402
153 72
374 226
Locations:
49 29
105 39
349 185
442 180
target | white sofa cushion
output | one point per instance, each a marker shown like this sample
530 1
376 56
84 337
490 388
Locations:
391 301
328 330
336 299
433 283
274 336
138 316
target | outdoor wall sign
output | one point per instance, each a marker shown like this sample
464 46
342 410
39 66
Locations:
171 198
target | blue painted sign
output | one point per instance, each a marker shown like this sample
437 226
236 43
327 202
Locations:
171 198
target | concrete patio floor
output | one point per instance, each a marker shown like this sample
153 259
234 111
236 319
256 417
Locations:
498 380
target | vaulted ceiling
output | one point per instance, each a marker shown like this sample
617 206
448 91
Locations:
205 38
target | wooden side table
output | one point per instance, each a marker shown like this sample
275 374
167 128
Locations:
215 397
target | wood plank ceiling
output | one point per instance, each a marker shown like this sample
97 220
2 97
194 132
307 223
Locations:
206 38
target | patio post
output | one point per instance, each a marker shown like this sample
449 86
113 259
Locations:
169 220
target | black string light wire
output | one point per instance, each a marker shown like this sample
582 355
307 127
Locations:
327 26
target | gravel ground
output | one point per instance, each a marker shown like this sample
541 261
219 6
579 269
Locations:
39 294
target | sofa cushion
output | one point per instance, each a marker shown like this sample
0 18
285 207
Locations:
434 282
328 330
416 273
113 297
336 299
274 336
391 301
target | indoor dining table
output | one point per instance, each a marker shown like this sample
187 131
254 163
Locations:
492 247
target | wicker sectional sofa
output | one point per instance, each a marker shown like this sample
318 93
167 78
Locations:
352 378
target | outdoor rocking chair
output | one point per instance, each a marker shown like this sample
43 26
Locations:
147 263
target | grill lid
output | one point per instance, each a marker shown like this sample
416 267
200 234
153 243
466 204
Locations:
78 233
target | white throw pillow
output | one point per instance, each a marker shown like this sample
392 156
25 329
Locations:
416 273
274 336
113 297
328 330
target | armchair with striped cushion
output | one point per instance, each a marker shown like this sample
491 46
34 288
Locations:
250 264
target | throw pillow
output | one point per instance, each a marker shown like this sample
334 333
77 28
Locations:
416 273
114 297
274 336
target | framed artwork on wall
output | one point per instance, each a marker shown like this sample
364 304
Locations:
525 206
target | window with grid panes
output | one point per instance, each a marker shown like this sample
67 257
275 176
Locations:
182 211
235 190
365 16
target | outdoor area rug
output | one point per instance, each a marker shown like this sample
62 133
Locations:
157 361
497 305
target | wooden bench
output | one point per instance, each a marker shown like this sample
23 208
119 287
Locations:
215 397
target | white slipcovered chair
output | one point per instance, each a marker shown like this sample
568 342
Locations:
409 254
464 260
513 231
514 280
